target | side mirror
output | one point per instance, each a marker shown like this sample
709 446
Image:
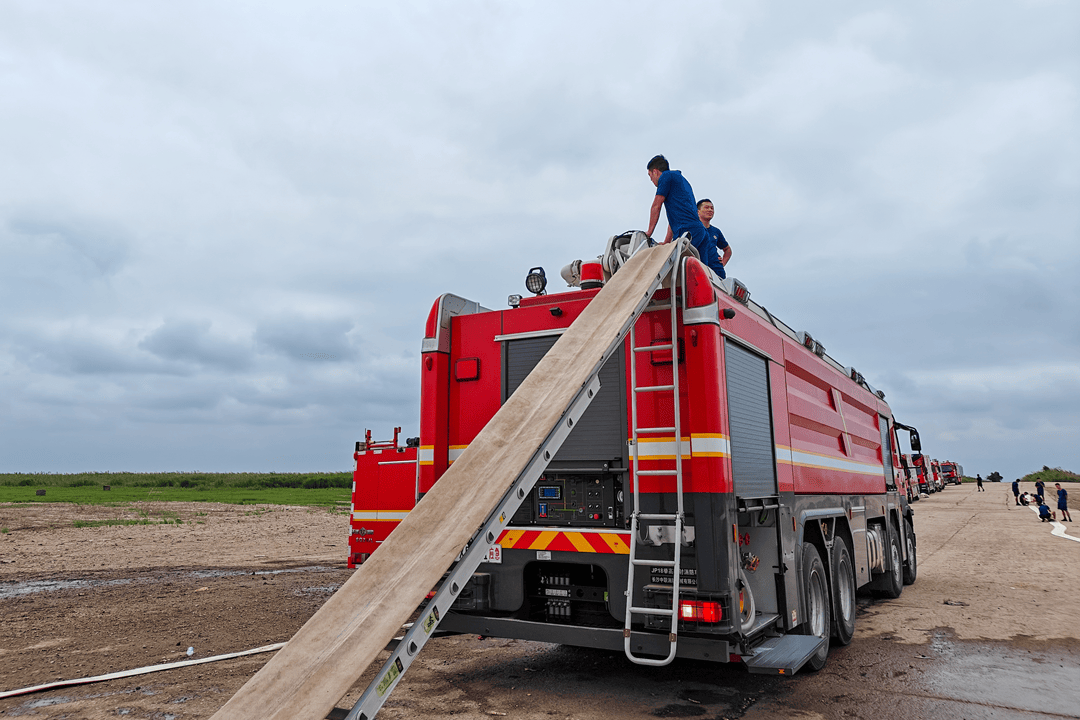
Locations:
916 445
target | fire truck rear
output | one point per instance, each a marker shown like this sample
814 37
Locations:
781 464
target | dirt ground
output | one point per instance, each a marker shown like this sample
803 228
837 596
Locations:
990 628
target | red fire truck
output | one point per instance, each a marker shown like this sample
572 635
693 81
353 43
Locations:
781 465
951 473
936 476
924 477
383 492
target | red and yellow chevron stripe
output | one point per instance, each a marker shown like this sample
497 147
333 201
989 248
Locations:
565 541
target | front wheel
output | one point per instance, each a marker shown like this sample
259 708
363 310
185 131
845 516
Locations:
911 565
816 591
843 592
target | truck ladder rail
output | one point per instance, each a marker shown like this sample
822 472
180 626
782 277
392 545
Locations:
678 517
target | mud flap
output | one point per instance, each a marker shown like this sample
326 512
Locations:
783 655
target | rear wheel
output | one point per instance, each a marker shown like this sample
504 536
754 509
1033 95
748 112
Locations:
911 565
843 592
816 592
892 583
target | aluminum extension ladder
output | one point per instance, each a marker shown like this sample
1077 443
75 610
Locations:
477 549
678 517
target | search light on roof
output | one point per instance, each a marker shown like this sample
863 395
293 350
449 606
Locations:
536 281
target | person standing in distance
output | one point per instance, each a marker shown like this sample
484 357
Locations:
675 195
705 212
978 479
1063 503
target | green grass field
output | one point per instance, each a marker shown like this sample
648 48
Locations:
316 489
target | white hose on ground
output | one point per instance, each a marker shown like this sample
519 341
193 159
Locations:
1059 528
137 671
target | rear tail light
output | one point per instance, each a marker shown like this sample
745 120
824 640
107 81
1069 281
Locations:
432 324
700 611
699 289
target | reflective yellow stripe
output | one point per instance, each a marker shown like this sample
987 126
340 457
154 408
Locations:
616 543
543 540
579 542
511 537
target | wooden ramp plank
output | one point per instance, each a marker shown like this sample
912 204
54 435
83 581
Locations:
326 656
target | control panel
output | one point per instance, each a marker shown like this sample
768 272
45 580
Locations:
585 500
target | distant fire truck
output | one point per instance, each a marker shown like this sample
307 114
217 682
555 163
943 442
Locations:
724 496
951 473
935 474
924 476
908 479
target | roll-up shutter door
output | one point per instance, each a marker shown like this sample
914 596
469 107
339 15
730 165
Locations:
752 459
600 434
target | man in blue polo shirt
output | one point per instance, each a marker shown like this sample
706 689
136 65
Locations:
706 212
674 193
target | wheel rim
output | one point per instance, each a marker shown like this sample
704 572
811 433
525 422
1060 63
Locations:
897 570
818 594
847 591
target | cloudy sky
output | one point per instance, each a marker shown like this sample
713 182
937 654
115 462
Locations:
222 224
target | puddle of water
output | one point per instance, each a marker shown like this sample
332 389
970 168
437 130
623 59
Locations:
10 590
231 573
1039 681
46 702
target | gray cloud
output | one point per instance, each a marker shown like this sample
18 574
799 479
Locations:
221 230
318 339
191 341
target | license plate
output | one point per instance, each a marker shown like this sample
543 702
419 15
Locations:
495 554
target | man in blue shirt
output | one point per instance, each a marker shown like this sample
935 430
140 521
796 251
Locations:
1044 513
705 212
1016 491
1063 503
674 193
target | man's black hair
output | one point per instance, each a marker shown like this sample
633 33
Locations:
659 163
702 202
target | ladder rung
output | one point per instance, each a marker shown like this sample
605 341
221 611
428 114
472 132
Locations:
658 516
657 472
654 430
655 563
651 611
654 348
665 306
654 388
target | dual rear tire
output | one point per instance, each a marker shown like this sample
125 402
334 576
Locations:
891 584
843 592
818 611
830 598
911 565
